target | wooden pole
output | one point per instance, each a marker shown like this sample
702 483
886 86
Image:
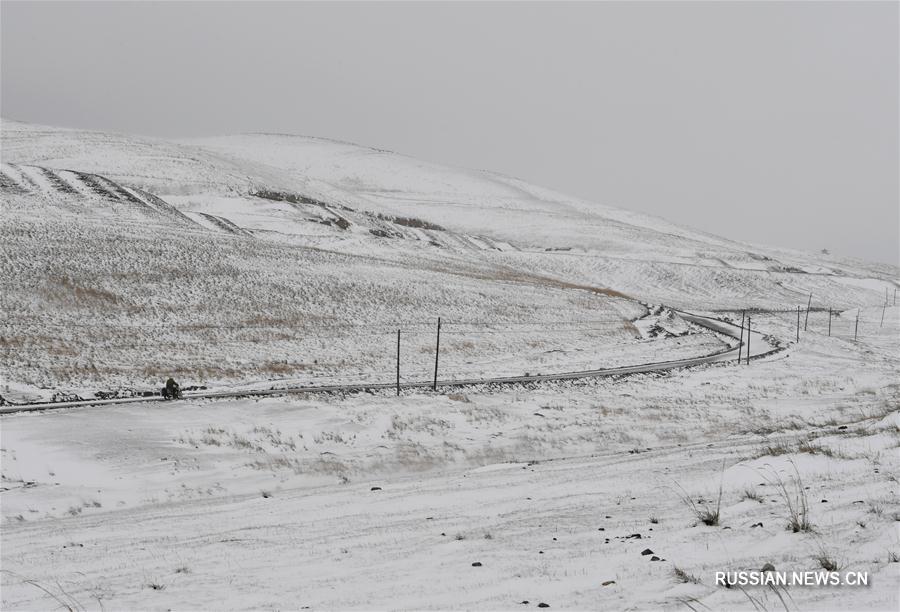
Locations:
741 343
895 297
398 362
748 340
808 304
798 324
829 322
856 329
882 313
437 352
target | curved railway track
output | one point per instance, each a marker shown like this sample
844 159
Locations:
762 348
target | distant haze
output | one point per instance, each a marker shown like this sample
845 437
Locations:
766 122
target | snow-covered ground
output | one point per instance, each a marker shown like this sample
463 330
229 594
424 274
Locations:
257 261
273 503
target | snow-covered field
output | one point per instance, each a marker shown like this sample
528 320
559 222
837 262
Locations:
272 503
265 260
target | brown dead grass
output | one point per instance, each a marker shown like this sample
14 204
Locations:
80 292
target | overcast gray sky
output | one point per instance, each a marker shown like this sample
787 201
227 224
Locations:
767 122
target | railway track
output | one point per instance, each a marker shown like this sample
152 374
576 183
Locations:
762 348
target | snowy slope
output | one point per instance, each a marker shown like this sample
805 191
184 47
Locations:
263 261
289 232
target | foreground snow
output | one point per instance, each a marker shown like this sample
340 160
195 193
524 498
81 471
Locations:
371 501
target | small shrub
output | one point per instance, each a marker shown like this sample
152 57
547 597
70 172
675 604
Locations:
683 576
827 562
806 446
704 513
795 499
752 494
775 450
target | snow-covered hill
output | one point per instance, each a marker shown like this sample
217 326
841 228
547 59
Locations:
269 256
267 261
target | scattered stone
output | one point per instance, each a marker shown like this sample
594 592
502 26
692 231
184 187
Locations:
654 558
601 529
768 567
608 516
607 582
540 552
636 536
756 525
375 489
554 539
824 501
543 605
524 601
842 427
646 552
476 564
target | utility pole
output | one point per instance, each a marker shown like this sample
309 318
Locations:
398 363
856 329
748 340
798 324
437 351
829 322
741 343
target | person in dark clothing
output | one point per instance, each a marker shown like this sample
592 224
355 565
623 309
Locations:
171 390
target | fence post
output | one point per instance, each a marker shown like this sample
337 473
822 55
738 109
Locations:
798 324
437 351
882 313
741 343
398 362
748 340
829 322
808 304
856 328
